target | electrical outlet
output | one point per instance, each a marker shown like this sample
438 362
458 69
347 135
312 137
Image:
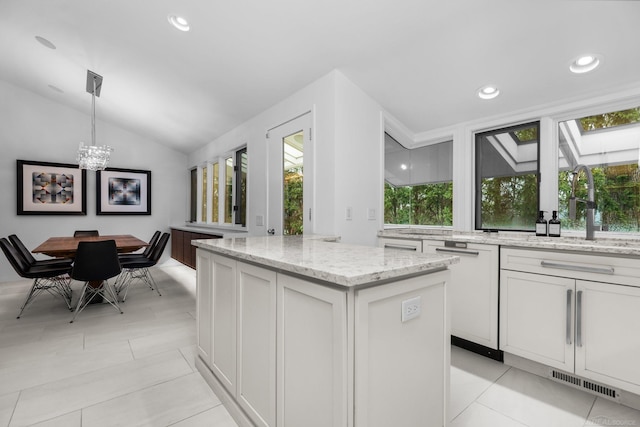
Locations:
349 214
371 214
411 308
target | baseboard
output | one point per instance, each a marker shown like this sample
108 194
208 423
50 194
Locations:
478 348
236 412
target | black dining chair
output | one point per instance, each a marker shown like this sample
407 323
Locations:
53 279
147 250
86 233
95 263
26 255
138 268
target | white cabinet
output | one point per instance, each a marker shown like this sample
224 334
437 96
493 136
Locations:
284 351
473 290
204 301
236 331
607 340
256 343
312 354
586 327
536 317
223 352
410 369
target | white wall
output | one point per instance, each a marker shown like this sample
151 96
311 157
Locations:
35 128
347 139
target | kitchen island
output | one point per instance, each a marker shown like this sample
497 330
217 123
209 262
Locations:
307 331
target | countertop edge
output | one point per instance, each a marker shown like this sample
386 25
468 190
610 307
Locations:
428 264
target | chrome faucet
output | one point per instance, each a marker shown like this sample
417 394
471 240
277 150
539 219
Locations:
590 202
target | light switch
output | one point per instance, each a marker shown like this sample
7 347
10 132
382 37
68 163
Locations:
371 214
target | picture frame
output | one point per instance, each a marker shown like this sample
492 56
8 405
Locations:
123 192
48 188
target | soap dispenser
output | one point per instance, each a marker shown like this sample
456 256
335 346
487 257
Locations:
541 225
554 225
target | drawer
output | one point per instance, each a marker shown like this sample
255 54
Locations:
595 268
403 244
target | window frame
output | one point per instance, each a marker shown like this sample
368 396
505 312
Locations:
222 174
477 179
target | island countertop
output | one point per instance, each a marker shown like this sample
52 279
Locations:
327 260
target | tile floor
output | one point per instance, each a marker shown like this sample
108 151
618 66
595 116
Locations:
136 369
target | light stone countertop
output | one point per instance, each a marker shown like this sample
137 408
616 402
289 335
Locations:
326 259
619 245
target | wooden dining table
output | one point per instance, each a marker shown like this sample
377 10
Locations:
66 247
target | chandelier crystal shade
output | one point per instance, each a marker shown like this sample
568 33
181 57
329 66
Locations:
93 157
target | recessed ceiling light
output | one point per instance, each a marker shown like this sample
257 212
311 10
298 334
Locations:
585 63
45 42
179 22
488 92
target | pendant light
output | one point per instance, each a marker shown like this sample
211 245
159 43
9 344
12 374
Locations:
93 157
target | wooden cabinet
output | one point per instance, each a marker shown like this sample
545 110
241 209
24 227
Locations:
473 291
181 248
586 327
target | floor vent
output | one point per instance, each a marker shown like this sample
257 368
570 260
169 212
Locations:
600 389
577 382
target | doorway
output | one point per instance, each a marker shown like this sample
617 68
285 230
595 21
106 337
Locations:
290 177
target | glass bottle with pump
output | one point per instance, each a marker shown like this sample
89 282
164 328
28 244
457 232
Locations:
554 225
541 225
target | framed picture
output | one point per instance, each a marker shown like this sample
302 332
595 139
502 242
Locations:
123 192
45 188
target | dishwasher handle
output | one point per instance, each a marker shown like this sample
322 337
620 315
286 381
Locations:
401 247
458 251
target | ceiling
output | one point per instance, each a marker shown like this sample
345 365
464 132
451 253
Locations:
423 61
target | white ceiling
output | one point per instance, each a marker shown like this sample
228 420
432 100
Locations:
422 60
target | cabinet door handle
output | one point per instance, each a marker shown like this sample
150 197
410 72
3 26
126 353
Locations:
458 251
569 298
579 318
403 247
583 268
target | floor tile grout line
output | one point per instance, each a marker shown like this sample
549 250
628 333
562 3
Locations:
15 405
138 391
493 383
503 414
194 415
591 409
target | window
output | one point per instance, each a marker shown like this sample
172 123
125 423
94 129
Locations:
222 190
215 193
418 188
507 178
293 184
241 187
228 190
193 205
609 145
204 195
